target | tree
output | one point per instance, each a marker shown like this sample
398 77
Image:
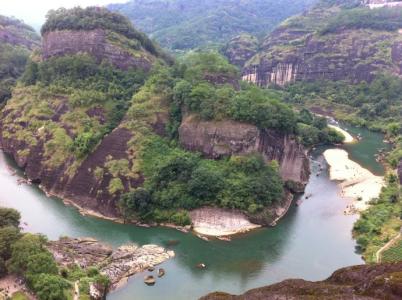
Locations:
50 287
23 249
9 217
41 263
137 201
8 235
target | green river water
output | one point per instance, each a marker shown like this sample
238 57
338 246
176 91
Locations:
312 241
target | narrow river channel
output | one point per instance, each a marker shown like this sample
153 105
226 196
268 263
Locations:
312 241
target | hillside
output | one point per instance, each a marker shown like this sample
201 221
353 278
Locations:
367 282
91 124
188 24
17 40
345 41
343 59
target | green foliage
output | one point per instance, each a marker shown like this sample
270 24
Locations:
23 250
377 104
385 18
382 216
9 217
187 24
85 142
50 287
8 235
96 18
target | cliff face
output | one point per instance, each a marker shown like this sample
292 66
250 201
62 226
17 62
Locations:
216 139
299 51
99 43
366 282
240 49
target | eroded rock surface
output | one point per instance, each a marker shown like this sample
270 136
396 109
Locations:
366 282
96 43
216 139
118 264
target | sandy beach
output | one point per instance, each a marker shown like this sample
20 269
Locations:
356 182
220 222
348 137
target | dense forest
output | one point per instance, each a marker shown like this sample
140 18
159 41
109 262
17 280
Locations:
189 24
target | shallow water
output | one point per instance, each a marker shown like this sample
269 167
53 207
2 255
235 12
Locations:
312 241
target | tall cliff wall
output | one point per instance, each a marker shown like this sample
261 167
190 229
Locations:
298 51
99 44
216 139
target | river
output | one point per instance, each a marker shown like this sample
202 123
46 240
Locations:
312 241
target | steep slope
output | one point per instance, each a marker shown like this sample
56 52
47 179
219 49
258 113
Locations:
72 98
184 24
330 42
367 282
91 125
17 40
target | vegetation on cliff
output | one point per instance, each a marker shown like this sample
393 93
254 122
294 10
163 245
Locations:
16 42
182 24
26 255
205 85
97 18
68 107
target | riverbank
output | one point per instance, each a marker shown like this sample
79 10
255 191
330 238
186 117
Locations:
216 222
348 137
356 182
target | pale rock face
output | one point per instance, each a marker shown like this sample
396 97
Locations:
93 42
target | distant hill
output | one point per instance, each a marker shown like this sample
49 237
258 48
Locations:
17 40
188 24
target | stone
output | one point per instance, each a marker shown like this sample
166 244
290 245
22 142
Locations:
161 272
149 280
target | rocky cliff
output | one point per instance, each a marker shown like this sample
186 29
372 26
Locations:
367 282
216 139
300 49
99 43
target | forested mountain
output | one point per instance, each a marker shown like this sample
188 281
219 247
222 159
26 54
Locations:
17 40
189 24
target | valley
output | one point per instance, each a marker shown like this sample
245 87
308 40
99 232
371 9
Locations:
217 149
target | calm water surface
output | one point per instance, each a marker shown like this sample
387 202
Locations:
311 242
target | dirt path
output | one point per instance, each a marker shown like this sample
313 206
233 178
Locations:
386 247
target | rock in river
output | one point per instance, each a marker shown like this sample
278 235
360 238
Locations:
118 264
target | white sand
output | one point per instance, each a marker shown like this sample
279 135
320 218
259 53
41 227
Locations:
355 181
220 222
348 137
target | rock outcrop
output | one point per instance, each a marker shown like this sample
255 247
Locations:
216 139
117 264
99 44
299 51
240 49
366 282
400 171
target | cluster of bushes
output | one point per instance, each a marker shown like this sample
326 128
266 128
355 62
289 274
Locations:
96 18
388 19
381 222
26 255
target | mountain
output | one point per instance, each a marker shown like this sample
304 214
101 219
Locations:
188 24
337 40
17 40
107 121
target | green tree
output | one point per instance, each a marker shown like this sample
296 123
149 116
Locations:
8 236
23 249
50 287
9 217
